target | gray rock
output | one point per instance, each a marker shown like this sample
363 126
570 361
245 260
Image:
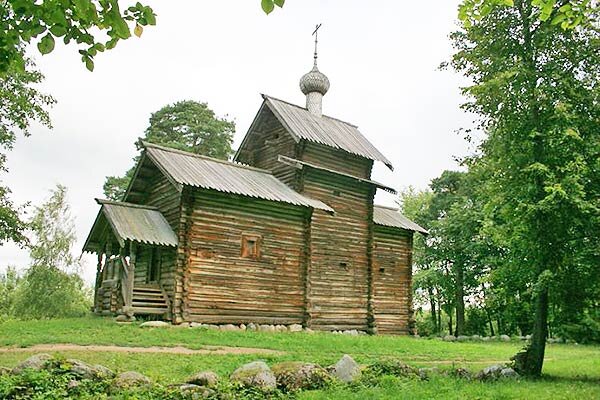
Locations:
155 324
346 369
486 338
494 372
229 328
266 328
476 338
103 372
461 373
197 325
280 328
212 327
183 325
4 371
295 328
73 384
130 379
505 338
351 332
36 362
86 371
449 338
308 330
122 318
294 375
204 378
242 327
255 374
251 327
462 338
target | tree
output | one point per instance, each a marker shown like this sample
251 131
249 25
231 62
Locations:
536 93
20 105
80 21
51 287
186 125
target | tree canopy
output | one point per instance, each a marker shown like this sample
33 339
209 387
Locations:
186 125
535 92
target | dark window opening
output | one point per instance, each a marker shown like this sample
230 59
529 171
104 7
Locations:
382 270
250 246
344 265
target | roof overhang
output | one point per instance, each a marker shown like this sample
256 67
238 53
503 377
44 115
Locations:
301 164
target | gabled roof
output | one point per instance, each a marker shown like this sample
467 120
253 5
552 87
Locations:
300 164
190 169
324 130
142 224
388 216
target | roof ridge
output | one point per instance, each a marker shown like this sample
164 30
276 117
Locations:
304 108
387 208
125 204
207 158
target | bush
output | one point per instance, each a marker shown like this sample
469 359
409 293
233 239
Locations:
587 330
47 292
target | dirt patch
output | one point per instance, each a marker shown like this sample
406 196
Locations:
208 350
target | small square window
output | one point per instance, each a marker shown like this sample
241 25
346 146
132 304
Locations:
250 246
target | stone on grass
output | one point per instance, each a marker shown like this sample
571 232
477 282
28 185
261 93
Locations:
351 332
204 378
155 324
266 328
295 328
36 362
505 338
197 325
346 369
86 371
242 327
495 372
192 391
130 379
462 338
251 327
229 328
449 338
462 373
256 374
122 318
476 338
295 375
280 328
4 371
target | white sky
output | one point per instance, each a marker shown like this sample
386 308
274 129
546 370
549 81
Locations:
381 59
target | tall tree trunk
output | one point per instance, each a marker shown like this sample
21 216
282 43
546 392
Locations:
490 322
460 300
433 313
439 316
450 331
530 361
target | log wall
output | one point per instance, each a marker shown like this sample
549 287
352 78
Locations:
392 306
339 267
337 160
221 286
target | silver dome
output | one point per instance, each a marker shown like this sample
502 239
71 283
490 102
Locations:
314 81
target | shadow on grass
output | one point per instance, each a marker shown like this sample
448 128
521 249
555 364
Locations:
570 379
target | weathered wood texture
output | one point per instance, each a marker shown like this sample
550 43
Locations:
392 279
338 295
224 287
267 140
337 160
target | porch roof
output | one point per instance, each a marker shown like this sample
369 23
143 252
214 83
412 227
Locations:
127 221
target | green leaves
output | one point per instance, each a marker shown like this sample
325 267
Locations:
46 45
269 5
85 22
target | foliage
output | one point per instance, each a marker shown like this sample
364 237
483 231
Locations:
9 281
269 5
535 91
85 22
186 125
20 104
51 286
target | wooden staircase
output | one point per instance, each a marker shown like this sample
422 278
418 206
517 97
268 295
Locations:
150 299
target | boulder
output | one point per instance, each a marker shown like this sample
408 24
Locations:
505 338
449 338
294 375
36 362
155 324
280 328
122 318
204 378
460 372
4 371
197 325
84 370
351 332
495 372
256 374
251 327
191 391
229 328
476 338
295 328
211 327
242 327
266 328
462 338
308 330
346 369
130 379
183 325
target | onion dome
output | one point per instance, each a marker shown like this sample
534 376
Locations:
314 81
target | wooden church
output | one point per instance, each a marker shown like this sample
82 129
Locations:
286 233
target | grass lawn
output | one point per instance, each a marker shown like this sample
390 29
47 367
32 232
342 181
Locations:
571 371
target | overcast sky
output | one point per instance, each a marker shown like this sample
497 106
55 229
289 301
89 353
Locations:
381 59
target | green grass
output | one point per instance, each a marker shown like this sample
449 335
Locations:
570 371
